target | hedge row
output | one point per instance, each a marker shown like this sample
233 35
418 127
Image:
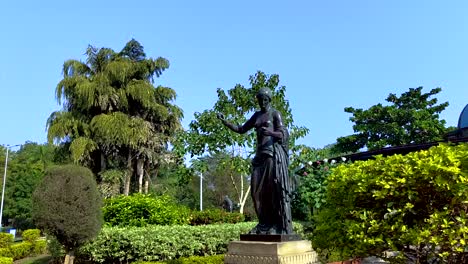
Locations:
142 210
161 243
215 216
6 260
30 245
216 259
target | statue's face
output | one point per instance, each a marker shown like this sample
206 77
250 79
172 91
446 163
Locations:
263 101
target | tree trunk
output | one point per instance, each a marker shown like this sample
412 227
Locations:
140 173
147 176
128 174
244 199
103 162
70 257
146 189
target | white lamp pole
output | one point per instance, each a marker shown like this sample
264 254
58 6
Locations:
201 191
4 182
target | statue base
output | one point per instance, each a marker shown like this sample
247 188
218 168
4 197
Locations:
260 252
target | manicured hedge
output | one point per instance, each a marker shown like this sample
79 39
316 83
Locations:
6 240
31 235
141 210
217 259
215 216
6 260
31 245
161 243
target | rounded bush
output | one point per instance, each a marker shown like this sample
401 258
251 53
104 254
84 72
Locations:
67 205
31 235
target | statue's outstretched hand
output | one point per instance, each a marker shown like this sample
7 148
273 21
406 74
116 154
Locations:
220 116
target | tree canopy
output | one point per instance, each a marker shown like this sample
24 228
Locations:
113 117
206 134
410 118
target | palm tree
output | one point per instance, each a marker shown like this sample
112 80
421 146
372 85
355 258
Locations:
113 114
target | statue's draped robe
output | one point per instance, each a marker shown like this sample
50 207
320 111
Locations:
270 186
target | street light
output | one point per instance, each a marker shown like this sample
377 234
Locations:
4 181
201 191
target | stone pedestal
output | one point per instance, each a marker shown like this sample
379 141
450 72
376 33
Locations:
257 252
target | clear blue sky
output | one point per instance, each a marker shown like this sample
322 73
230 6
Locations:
329 54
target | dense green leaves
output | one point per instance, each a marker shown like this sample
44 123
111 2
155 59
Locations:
411 118
26 168
113 116
142 210
206 132
414 204
67 205
153 243
215 216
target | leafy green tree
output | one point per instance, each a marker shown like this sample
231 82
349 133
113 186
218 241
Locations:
26 168
113 117
206 134
410 118
67 205
220 178
310 168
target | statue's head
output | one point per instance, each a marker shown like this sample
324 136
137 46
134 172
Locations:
264 98
264 91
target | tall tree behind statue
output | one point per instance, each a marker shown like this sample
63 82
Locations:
114 120
207 134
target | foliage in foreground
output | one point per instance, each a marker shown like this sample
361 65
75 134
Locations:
414 204
30 246
141 210
6 260
67 205
161 243
215 216
216 259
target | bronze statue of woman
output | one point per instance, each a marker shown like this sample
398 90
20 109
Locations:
271 191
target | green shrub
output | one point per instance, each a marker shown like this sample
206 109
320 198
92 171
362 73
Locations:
31 235
215 216
54 247
39 247
67 205
216 259
6 240
414 204
21 250
6 260
141 210
160 243
6 252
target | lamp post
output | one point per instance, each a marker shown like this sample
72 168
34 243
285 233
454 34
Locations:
4 182
201 191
